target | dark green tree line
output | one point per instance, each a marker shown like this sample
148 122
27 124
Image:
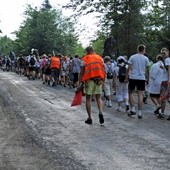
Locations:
46 30
131 22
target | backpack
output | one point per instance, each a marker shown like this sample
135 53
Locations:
44 62
32 61
21 61
109 73
122 73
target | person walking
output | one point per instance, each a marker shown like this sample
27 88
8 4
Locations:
31 59
165 85
155 79
55 69
92 76
137 74
75 69
108 83
121 86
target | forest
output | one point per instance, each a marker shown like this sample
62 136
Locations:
129 22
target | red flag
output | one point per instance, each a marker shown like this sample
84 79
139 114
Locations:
77 100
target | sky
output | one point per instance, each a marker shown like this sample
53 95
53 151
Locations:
11 17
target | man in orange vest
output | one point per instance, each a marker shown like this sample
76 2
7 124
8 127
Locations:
92 76
55 69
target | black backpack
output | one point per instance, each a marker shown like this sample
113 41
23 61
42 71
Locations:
109 73
32 61
122 73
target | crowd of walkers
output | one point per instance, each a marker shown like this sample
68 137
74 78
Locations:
102 76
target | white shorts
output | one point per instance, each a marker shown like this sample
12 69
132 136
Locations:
108 87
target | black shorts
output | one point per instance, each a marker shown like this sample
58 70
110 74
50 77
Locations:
43 70
55 73
154 95
75 75
48 71
31 68
138 84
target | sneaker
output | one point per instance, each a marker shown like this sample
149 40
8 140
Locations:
101 119
49 82
131 113
44 82
119 109
145 100
109 104
53 84
106 103
157 110
127 107
140 116
88 121
160 116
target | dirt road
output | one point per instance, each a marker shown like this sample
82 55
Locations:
39 130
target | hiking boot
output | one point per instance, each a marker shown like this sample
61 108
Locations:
168 118
131 113
127 107
101 119
88 121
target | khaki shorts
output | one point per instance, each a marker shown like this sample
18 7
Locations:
90 88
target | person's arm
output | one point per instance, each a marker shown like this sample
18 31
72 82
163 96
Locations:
147 74
114 78
128 72
169 75
81 74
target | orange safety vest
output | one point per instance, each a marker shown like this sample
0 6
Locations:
93 67
55 62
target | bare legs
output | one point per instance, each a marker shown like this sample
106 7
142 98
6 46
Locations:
88 104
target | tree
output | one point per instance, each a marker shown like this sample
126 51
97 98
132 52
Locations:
6 45
46 30
121 18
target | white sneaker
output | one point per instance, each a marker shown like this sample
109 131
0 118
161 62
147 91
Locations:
109 103
119 109
106 103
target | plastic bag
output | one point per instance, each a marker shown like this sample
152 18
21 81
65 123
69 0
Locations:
77 100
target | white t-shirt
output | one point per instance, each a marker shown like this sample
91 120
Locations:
138 63
165 73
155 77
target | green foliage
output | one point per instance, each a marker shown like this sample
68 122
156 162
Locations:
131 22
46 30
98 43
6 45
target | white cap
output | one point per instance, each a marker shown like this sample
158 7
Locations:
121 58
